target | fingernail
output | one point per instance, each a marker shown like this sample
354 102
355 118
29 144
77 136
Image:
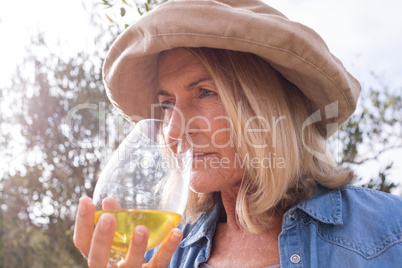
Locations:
105 224
138 237
176 237
83 208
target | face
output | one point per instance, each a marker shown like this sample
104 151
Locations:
191 101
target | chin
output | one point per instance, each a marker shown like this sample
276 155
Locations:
203 182
212 181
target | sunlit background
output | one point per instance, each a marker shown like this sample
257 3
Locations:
365 34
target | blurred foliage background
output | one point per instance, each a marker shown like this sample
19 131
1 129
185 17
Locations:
64 128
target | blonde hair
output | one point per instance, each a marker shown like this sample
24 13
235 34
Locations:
247 82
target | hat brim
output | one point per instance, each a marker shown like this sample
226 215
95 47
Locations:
296 51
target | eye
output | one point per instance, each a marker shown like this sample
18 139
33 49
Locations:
206 92
166 105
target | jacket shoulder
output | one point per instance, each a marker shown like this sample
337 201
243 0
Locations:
363 201
372 222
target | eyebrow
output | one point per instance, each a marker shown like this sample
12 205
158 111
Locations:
163 92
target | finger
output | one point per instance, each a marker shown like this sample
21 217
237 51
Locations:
109 203
84 225
138 247
102 241
164 254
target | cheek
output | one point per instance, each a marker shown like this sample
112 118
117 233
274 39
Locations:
222 135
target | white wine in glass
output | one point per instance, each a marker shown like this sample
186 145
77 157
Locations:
145 182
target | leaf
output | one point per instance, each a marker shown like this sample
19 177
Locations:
122 11
108 18
139 11
106 3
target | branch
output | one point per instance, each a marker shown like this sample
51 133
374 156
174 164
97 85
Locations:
377 155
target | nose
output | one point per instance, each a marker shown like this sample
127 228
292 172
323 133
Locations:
175 133
177 124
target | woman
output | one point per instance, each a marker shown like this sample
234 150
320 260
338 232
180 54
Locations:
259 96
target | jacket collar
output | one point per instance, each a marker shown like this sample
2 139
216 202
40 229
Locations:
204 227
325 206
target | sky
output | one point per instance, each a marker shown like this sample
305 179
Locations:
63 22
366 35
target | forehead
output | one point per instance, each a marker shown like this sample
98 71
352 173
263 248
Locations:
178 62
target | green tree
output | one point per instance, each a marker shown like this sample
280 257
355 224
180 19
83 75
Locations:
374 129
67 126
139 7
61 126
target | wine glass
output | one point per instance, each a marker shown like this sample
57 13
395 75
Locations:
146 182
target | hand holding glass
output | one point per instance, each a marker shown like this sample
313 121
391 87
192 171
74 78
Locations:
146 182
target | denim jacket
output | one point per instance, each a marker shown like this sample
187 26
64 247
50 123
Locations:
352 227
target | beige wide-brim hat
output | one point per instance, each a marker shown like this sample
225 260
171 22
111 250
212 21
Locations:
296 51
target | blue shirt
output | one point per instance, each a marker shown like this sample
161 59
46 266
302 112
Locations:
351 227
